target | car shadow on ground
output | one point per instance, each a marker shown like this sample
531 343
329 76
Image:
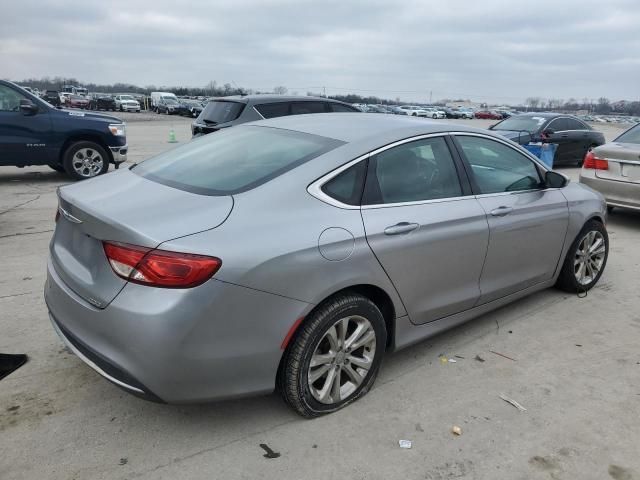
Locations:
37 176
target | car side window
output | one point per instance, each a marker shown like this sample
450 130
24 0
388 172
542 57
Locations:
338 107
346 187
558 125
9 99
301 108
415 171
273 110
497 167
575 125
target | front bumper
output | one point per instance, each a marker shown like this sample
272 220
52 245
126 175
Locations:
617 194
130 108
211 342
119 154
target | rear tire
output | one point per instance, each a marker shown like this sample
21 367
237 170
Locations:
586 259
77 168
346 338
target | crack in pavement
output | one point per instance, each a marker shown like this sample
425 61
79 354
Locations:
20 205
19 234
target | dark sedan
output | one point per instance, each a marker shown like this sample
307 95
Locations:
193 107
573 137
53 97
102 102
171 106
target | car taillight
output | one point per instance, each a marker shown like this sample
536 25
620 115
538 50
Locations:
593 162
160 268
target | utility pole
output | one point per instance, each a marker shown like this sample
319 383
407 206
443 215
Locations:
324 92
430 97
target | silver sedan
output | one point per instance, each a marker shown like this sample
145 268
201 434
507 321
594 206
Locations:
613 169
293 253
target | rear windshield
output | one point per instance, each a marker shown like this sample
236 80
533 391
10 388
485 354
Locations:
234 160
221 111
630 136
521 123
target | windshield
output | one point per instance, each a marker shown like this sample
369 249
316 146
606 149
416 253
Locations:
630 136
126 97
169 100
234 160
221 111
520 123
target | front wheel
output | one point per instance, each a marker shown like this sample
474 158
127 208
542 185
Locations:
334 357
84 160
586 259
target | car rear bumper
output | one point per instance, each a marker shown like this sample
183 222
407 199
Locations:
214 341
617 194
119 153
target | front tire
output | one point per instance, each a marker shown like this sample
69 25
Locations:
84 160
334 357
585 260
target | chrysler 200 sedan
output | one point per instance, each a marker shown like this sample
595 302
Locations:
293 253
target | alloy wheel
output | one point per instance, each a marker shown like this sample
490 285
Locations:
87 162
589 258
342 359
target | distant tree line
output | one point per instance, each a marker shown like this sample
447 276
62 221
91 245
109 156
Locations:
601 105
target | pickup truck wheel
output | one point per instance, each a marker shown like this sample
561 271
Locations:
85 160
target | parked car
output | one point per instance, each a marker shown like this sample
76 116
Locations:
279 262
64 98
433 112
573 137
226 112
76 101
397 110
126 103
466 113
488 114
414 111
171 106
102 102
193 107
33 132
613 169
53 97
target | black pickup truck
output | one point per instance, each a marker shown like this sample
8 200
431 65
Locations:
34 132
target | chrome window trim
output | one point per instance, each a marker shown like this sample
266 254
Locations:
417 202
256 110
315 188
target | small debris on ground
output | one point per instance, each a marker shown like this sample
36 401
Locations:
443 359
419 428
124 461
578 344
270 453
456 430
503 355
479 359
510 331
452 360
314 446
459 356
13 409
404 443
512 402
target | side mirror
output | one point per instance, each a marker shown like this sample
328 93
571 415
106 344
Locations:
27 107
555 180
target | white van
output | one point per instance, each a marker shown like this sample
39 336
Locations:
157 96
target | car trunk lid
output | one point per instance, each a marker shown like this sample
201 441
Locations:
122 207
623 160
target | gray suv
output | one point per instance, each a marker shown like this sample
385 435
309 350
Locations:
226 112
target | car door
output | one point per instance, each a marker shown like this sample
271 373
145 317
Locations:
424 226
562 137
527 221
580 135
25 138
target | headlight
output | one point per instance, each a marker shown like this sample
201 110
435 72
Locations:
118 129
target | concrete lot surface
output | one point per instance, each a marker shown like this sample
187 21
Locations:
575 368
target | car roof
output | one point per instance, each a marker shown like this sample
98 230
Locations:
544 114
267 98
361 127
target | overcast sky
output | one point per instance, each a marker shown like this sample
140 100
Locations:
486 50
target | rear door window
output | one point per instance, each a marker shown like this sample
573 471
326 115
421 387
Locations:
301 108
575 124
234 160
558 125
221 111
273 110
339 107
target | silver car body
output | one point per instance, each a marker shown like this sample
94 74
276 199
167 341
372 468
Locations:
620 182
285 247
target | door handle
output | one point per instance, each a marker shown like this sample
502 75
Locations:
564 135
501 211
400 228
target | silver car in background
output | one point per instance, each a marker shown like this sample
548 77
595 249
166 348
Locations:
613 169
293 253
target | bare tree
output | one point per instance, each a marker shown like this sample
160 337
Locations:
280 90
533 102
